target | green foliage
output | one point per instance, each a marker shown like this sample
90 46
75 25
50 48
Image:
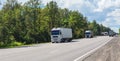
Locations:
97 28
29 23
16 44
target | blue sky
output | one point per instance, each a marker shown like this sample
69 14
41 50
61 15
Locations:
106 12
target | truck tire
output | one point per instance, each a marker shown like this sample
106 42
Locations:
62 40
69 40
53 42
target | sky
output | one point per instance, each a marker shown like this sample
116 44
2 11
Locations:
106 12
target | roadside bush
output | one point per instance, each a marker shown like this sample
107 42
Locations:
16 44
1 44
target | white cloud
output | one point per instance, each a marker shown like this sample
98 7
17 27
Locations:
115 13
108 22
117 20
105 4
45 1
113 20
117 3
111 23
115 29
23 1
71 4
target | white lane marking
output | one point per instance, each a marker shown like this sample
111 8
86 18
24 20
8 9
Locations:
91 51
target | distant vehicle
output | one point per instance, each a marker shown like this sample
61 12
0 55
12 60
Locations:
61 35
104 33
117 34
111 33
88 34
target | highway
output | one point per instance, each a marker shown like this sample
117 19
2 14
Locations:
70 51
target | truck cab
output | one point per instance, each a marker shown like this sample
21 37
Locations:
56 36
88 34
61 35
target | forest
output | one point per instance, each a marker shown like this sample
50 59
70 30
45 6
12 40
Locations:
31 22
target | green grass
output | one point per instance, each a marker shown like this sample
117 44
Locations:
11 45
18 44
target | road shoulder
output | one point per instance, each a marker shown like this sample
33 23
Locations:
109 52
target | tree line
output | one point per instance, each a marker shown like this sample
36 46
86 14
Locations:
32 22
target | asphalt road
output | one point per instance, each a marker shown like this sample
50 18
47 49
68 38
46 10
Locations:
109 52
71 51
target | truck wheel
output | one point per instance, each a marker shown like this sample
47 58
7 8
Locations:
69 40
53 42
91 36
62 40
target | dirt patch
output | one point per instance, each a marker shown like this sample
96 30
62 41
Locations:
109 52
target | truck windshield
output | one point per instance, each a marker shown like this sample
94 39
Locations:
87 33
55 32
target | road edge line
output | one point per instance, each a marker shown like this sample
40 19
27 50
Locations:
90 52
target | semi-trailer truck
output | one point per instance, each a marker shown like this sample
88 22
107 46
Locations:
111 33
88 34
61 35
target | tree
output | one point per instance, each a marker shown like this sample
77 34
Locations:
53 14
31 13
8 22
64 17
29 23
97 28
78 23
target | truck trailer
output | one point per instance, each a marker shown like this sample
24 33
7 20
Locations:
61 35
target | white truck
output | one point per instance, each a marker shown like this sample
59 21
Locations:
61 35
88 34
104 33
